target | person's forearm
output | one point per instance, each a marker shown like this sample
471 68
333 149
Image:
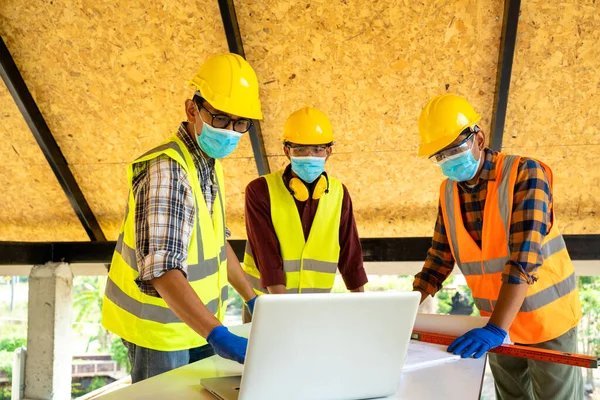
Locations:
176 291
358 289
277 289
237 277
423 295
509 302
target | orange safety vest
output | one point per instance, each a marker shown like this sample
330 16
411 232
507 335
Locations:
551 306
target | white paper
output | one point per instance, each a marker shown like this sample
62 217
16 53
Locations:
423 355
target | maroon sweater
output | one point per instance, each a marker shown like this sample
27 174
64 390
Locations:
265 245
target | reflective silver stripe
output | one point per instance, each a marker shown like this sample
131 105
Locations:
311 290
213 306
503 193
126 252
163 147
203 269
255 283
224 293
451 229
319 266
291 266
493 266
538 300
553 246
482 304
148 312
223 252
470 268
222 206
550 294
248 249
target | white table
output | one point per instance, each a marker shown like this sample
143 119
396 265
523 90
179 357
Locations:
456 380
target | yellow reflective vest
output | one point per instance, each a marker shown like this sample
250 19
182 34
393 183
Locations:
309 265
145 320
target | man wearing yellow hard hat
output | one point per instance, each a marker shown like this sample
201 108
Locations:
299 221
496 221
167 287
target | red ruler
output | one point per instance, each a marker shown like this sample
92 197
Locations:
532 353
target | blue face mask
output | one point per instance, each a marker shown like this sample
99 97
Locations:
461 167
218 143
308 168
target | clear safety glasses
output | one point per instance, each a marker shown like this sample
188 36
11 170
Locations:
298 150
464 146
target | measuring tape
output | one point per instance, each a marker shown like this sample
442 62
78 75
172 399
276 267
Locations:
532 353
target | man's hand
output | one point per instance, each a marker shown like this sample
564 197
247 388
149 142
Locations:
250 304
228 345
478 341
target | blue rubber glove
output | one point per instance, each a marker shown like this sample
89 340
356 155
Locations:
477 341
228 345
250 304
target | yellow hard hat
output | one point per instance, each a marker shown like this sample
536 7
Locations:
229 84
308 126
442 120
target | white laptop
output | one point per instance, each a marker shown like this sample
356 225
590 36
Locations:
323 346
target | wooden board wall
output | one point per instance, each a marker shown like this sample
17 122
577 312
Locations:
371 69
34 207
110 79
554 111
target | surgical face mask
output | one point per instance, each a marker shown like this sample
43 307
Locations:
217 143
461 167
308 168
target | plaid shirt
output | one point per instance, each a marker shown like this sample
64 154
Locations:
531 221
165 211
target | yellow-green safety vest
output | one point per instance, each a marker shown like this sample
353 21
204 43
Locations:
145 320
309 265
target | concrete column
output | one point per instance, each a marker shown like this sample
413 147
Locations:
48 364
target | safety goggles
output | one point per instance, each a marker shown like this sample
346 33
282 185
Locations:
463 147
301 150
222 121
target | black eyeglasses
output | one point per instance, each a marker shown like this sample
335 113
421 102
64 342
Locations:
222 121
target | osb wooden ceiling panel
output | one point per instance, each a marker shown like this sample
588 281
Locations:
110 79
34 207
554 93
553 111
371 68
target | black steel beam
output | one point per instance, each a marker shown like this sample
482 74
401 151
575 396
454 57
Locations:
234 41
581 247
34 119
508 38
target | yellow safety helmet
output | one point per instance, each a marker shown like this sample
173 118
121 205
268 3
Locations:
442 120
229 84
308 126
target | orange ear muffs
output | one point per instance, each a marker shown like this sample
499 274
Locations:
300 191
